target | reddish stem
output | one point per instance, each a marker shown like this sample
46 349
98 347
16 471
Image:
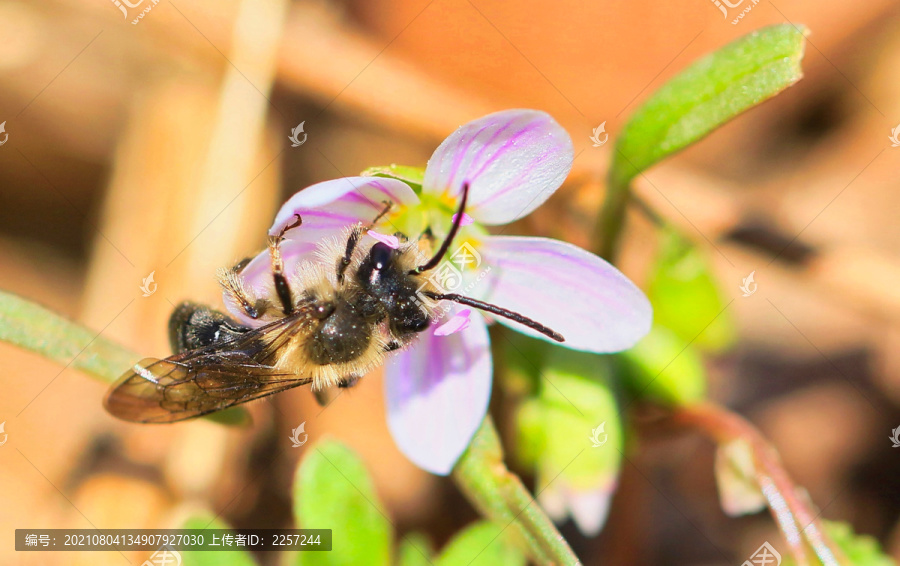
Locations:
792 512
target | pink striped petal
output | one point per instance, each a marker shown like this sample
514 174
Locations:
514 160
591 303
466 219
457 322
392 242
328 207
437 394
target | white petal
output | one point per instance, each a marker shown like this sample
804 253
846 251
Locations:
590 508
513 160
437 394
570 290
327 208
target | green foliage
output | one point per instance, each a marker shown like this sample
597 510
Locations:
482 544
686 298
711 91
333 490
32 327
556 425
42 331
415 550
523 357
410 175
213 558
499 495
861 550
664 368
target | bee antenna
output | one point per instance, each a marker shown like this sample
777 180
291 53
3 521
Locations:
454 228
500 311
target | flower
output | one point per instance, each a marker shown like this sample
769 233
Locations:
437 390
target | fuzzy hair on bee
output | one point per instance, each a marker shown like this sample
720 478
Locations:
327 323
343 333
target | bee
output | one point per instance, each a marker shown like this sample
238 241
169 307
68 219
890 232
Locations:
325 326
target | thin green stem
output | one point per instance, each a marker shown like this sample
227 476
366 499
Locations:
611 220
499 495
42 331
35 328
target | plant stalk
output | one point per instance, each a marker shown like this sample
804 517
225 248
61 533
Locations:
611 220
499 495
42 331
791 510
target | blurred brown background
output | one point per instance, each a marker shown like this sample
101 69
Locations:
162 147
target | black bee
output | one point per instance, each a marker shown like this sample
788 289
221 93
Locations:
328 327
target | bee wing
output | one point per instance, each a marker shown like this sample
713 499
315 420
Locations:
202 381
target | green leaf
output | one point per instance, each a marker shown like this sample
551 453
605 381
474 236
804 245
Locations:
412 176
707 94
575 400
482 544
213 558
664 368
686 297
333 490
523 357
701 98
415 550
571 435
861 550
235 416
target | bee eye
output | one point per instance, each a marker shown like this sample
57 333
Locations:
323 310
380 255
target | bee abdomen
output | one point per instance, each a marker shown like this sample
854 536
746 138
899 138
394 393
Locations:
342 337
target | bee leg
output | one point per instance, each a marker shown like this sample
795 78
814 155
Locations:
282 289
239 266
344 262
393 346
348 382
324 396
233 285
353 239
388 205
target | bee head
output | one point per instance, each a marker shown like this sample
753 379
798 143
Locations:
382 276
